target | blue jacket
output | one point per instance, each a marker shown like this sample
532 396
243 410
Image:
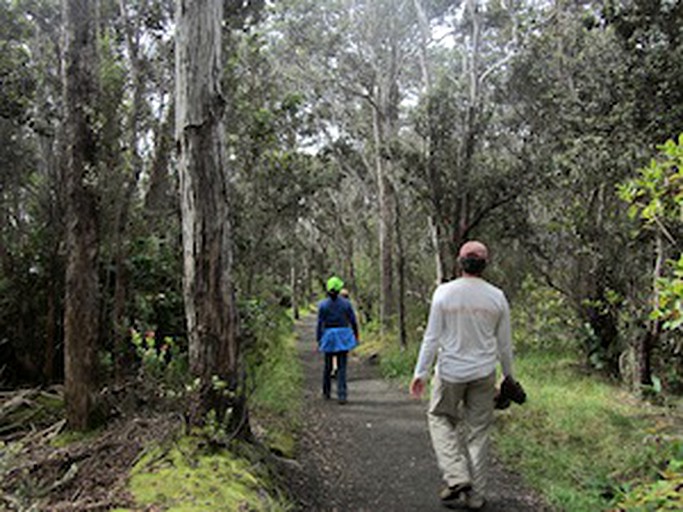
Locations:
337 327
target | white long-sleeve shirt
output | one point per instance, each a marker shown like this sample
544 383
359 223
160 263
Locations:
469 329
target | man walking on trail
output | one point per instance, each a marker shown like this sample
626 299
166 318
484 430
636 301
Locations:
337 333
468 331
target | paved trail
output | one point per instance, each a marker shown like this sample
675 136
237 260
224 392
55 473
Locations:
374 453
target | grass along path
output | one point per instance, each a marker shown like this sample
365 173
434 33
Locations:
586 443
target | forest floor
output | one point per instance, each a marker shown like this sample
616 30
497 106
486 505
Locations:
86 473
374 453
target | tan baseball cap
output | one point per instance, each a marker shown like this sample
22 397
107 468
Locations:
474 249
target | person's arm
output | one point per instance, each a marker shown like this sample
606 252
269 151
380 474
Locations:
354 323
319 329
504 339
428 349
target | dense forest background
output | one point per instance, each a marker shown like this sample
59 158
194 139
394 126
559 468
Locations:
363 138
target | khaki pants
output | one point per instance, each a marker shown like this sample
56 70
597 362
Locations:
460 419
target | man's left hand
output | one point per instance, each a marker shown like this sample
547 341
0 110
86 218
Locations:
417 387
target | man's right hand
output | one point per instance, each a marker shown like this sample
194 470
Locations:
417 387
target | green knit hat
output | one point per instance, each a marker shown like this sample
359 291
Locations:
334 284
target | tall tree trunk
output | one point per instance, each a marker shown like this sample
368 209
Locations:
436 190
205 178
436 236
351 271
81 326
425 38
51 162
52 322
385 219
649 340
122 214
385 127
295 289
462 213
400 253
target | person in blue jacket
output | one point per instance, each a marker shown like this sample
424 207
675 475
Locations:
337 333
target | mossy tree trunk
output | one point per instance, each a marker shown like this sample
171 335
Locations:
81 316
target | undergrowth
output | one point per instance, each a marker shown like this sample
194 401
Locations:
191 475
586 444
395 362
276 401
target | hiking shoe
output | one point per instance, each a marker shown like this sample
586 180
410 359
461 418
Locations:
343 401
454 495
474 501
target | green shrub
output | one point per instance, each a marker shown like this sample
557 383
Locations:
164 367
398 363
541 319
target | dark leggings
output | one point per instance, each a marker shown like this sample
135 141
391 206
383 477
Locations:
341 374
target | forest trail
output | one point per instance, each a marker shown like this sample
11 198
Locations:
374 453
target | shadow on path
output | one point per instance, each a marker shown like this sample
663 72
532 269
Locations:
374 453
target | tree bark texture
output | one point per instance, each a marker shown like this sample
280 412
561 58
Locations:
401 256
439 243
205 202
383 129
81 325
649 340
462 213
51 162
295 289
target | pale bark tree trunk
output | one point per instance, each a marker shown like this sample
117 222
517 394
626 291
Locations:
462 208
385 217
384 121
436 190
351 268
436 236
425 38
308 277
648 341
205 180
81 327
400 249
293 283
